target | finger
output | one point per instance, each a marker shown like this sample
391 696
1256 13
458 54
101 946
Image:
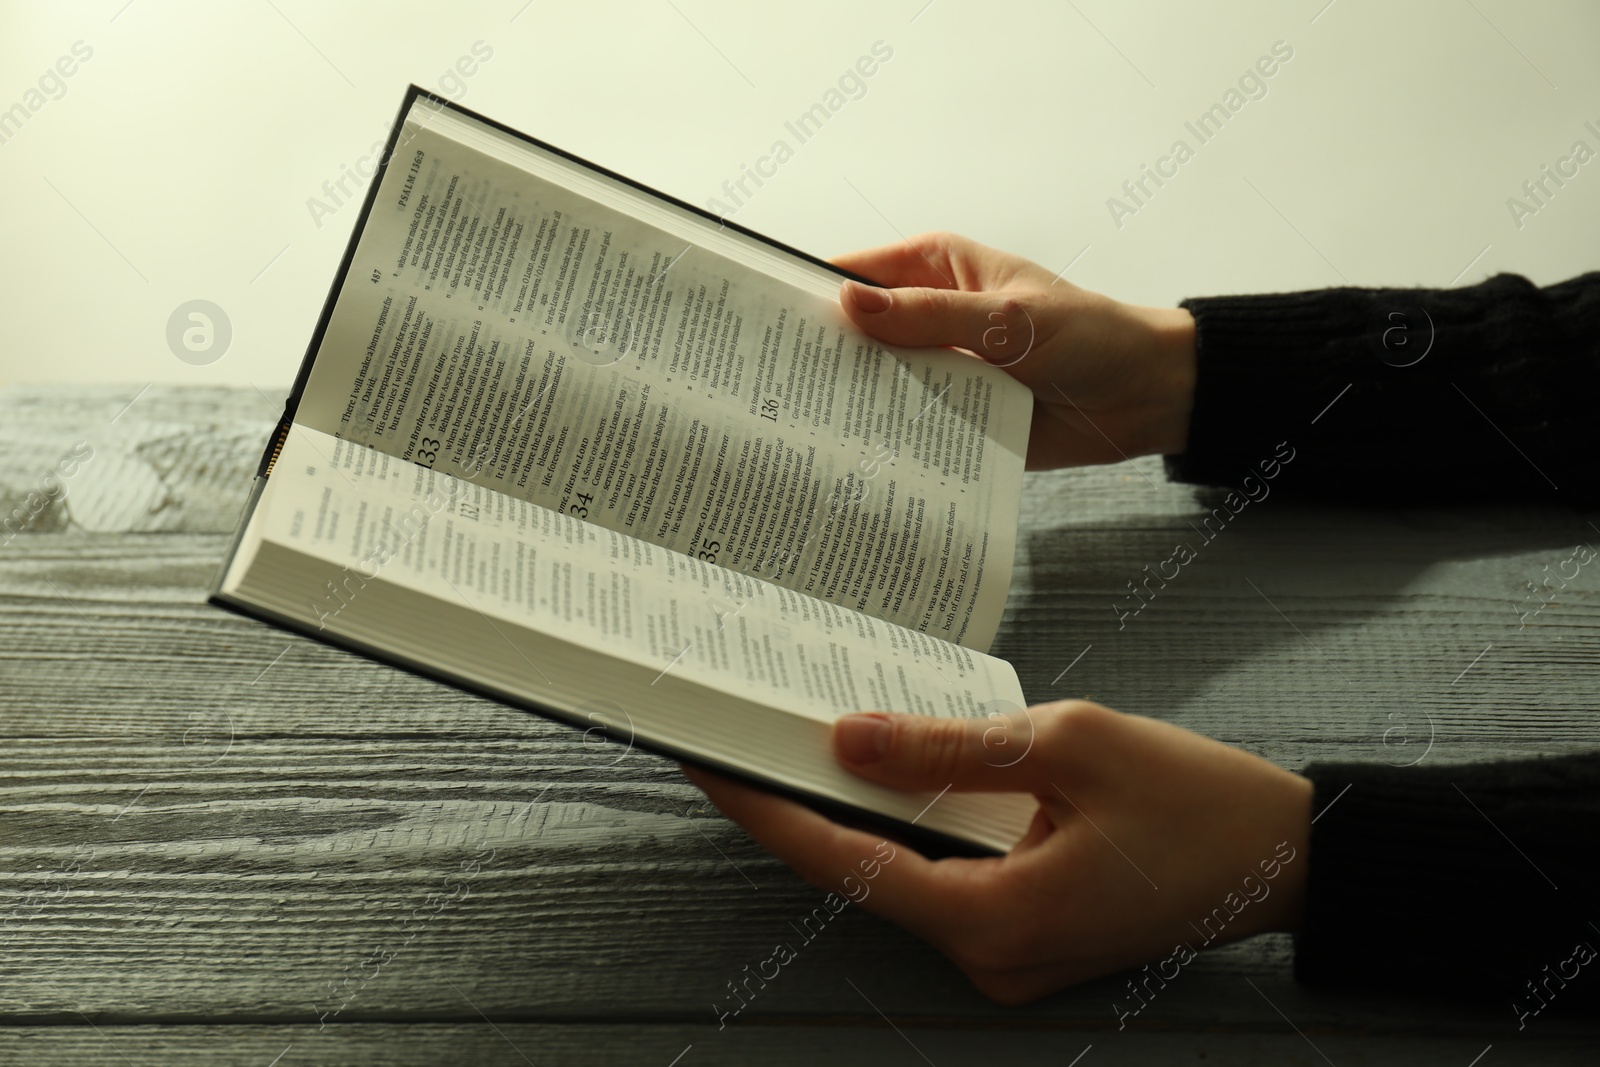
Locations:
901 263
907 887
994 325
1020 985
915 752
933 260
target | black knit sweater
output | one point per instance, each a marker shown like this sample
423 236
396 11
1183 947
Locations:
1479 880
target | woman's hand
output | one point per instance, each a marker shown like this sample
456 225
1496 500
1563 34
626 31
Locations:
1110 380
1147 838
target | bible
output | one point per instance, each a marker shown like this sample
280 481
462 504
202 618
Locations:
571 443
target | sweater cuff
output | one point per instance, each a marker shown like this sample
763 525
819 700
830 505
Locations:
1400 394
1471 881
1267 367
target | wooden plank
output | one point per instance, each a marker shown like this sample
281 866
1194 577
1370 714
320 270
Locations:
517 1045
510 1044
1312 624
129 458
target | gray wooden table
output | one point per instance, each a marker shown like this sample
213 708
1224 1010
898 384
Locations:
223 844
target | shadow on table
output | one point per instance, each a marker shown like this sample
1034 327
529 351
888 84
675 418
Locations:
1333 607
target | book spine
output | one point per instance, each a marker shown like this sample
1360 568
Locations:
274 446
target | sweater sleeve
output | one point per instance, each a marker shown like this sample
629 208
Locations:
1476 881
1479 881
1401 394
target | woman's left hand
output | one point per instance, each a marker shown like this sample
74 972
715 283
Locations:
1148 838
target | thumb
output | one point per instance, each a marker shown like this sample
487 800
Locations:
995 325
914 752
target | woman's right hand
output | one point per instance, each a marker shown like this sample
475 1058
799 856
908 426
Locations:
1110 380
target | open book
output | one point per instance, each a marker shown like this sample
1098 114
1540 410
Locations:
570 442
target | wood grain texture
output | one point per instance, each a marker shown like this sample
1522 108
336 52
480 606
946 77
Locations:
160 458
509 1044
204 820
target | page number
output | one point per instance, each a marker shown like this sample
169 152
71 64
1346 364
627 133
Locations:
376 275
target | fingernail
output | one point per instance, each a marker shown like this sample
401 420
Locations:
868 298
862 738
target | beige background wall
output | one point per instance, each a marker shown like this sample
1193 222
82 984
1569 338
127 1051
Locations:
180 159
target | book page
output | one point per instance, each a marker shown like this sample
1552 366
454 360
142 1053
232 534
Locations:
632 365
384 519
